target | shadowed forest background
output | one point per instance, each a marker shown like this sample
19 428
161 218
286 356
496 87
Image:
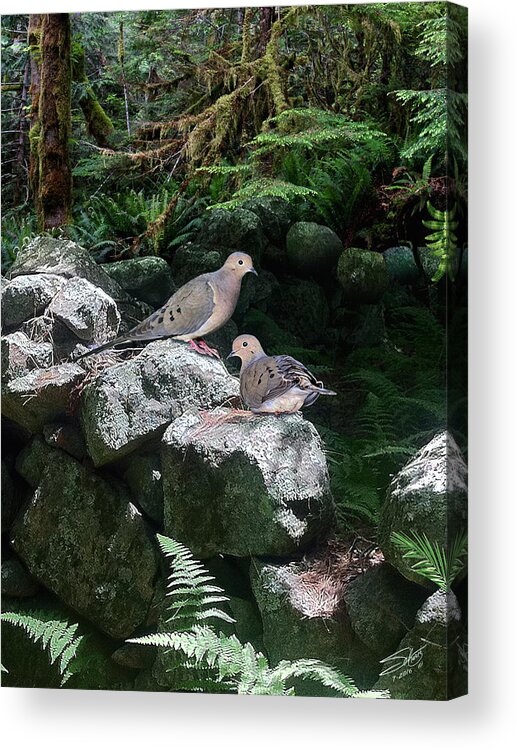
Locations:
329 142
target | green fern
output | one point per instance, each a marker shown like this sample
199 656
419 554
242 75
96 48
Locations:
224 661
443 241
432 561
57 637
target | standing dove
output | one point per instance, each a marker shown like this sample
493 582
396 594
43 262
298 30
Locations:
274 385
201 306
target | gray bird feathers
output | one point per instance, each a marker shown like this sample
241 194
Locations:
201 306
274 385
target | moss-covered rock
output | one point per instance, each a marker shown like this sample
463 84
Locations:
312 248
20 355
130 403
382 607
143 475
276 216
86 310
193 259
148 279
16 581
305 618
81 537
429 663
401 266
26 297
302 307
233 230
208 473
362 275
427 496
41 396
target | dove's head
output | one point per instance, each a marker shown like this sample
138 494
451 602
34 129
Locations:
239 264
246 347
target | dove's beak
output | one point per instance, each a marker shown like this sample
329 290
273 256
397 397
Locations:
252 270
231 354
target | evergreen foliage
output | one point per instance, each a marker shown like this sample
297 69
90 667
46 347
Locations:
439 565
226 662
56 637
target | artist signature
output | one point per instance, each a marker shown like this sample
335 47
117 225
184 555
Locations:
406 659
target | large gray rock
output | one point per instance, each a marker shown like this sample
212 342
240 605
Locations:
382 607
47 255
26 297
258 486
429 662
130 403
193 259
41 396
20 355
84 541
148 279
427 496
313 248
86 310
47 329
362 275
304 617
67 436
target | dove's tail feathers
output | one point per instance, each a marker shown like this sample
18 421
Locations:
318 387
103 347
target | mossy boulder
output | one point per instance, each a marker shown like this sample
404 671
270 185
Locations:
207 476
20 355
86 310
304 617
312 248
239 229
362 275
382 606
302 307
401 266
193 259
430 662
132 402
143 475
26 297
16 580
276 215
148 279
41 396
427 496
81 537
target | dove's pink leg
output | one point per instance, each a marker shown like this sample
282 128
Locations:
201 347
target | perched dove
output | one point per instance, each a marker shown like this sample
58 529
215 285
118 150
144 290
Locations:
274 385
201 306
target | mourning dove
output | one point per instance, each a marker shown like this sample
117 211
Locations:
274 385
201 306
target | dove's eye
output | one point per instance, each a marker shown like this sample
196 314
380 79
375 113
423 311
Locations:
241 262
245 343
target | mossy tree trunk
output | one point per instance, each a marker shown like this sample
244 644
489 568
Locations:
34 38
50 133
98 123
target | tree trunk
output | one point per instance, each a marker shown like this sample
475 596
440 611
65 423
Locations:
98 123
50 131
266 21
34 33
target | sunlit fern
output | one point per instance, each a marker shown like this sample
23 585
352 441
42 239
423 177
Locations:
225 661
432 561
442 243
56 637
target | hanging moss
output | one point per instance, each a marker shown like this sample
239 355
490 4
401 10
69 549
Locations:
98 123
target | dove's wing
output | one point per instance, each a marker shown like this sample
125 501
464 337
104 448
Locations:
185 313
269 377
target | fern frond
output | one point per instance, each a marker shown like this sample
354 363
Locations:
56 637
432 561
